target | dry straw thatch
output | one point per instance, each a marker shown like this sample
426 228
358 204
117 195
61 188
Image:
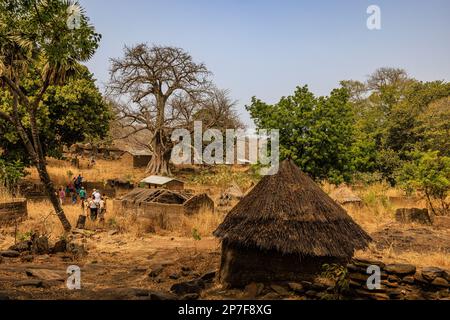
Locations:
344 195
289 213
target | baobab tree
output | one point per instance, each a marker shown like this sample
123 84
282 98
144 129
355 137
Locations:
47 38
156 84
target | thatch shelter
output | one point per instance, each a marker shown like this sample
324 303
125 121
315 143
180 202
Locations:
285 229
163 204
344 196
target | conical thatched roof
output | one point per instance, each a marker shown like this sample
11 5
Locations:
344 195
289 213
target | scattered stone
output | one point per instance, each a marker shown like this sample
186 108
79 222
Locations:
156 271
209 276
389 284
43 274
162 296
186 273
191 296
195 286
280 290
296 287
431 273
306 284
77 250
29 283
393 279
186 269
440 282
253 290
9 254
21 246
60 246
408 280
174 276
418 278
401 269
40 245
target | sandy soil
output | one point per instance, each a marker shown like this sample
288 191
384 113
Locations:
119 261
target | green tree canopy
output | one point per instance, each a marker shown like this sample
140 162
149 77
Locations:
316 132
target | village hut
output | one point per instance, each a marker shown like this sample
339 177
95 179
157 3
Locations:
139 158
344 196
162 204
161 182
285 229
234 191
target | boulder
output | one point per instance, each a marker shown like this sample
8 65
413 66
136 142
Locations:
282 291
44 274
40 245
21 246
162 296
156 271
209 276
408 215
408 280
9 254
60 246
432 273
30 283
253 290
195 286
401 269
440 282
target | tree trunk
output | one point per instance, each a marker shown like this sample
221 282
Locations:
51 193
159 164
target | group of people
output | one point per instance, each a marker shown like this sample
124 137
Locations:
74 191
97 206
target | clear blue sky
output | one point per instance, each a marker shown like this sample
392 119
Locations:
266 48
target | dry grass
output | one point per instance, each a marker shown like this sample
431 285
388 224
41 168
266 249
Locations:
377 212
60 171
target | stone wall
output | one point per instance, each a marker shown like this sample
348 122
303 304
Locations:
11 212
398 282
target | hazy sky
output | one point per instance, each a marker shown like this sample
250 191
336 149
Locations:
266 48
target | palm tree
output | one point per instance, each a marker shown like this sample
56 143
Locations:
35 37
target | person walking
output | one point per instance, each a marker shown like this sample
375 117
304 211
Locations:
93 207
82 194
102 209
62 195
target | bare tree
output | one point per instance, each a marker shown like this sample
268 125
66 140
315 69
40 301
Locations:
158 89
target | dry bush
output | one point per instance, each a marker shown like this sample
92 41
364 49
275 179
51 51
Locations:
204 223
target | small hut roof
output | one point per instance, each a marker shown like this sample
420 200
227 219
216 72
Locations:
234 191
344 195
289 213
140 195
158 180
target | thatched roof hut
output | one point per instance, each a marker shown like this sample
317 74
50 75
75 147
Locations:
344 195
284 229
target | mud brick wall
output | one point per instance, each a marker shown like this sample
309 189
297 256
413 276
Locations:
398 282
11 212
